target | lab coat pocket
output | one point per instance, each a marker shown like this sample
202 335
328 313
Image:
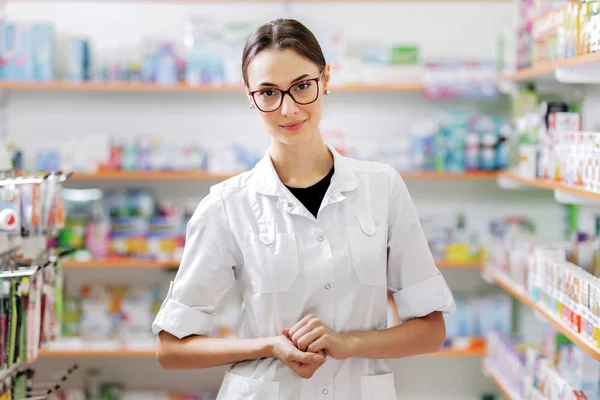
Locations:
235 387
380 387
368 247
271 261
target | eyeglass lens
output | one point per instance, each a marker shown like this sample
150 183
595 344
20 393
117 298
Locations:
270 99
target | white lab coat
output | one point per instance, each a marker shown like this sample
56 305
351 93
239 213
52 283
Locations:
250 233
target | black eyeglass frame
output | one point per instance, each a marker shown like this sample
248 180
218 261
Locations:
288 92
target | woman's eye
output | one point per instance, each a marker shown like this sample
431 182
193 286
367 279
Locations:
267 93
303 86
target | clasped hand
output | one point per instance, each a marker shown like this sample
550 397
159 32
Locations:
315 341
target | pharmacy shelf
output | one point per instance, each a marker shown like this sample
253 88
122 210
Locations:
108 353
266 1
152 87
98 353
132 263
475 264
562 192
200 175
148 176
121 263
458 353
517 293
450 176
499 380
547 70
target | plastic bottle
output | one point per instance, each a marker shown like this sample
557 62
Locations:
130 158
502 149
423 142
596 269
472 156
166 67
488 151
116 155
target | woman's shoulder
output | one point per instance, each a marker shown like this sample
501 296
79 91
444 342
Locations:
236 182
370 167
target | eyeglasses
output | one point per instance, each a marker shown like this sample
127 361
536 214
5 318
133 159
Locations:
270 99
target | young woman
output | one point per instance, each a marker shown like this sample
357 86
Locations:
313 241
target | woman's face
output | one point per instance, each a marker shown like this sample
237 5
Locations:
291 123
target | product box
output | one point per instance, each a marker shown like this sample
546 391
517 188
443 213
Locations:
494 314
78 64
564 122
580 370
115 312
43 52
528 161
404 65
136 311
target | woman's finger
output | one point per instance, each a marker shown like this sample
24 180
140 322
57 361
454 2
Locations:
303 357
318 345
307 339
300 333
300 324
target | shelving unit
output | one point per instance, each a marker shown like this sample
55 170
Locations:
132 263
136 108
265 1
476 264
551 185
491 372
120 263
152 87
450 176
200 175
546 70
148 176
518 294
88 353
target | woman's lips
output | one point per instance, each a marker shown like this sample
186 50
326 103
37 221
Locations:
293 127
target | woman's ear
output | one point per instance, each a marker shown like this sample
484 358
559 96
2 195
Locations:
326 77
250 100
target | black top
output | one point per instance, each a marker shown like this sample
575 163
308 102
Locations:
312 196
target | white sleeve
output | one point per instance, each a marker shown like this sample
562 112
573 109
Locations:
205 279
417 285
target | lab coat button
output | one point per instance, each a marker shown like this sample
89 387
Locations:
320 238
328 286
290 205
325 391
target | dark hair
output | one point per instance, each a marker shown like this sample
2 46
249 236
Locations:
282 34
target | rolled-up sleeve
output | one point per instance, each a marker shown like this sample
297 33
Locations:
205 278
417 285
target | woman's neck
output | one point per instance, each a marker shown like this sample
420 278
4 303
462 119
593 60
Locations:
302 165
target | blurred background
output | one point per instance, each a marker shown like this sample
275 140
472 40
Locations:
122 114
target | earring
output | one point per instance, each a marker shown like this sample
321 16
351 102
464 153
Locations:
327 91
251 106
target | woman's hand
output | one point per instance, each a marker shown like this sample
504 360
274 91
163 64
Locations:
304 364
312 335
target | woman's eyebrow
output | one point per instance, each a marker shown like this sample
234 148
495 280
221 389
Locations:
300 78
292 82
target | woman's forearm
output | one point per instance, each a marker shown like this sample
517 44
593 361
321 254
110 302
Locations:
196 352
414 337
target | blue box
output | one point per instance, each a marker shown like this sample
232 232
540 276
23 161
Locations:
43 52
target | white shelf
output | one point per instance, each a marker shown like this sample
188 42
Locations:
492 372
505 283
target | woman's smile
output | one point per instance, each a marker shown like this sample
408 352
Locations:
293 126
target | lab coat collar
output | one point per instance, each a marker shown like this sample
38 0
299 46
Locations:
267 181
